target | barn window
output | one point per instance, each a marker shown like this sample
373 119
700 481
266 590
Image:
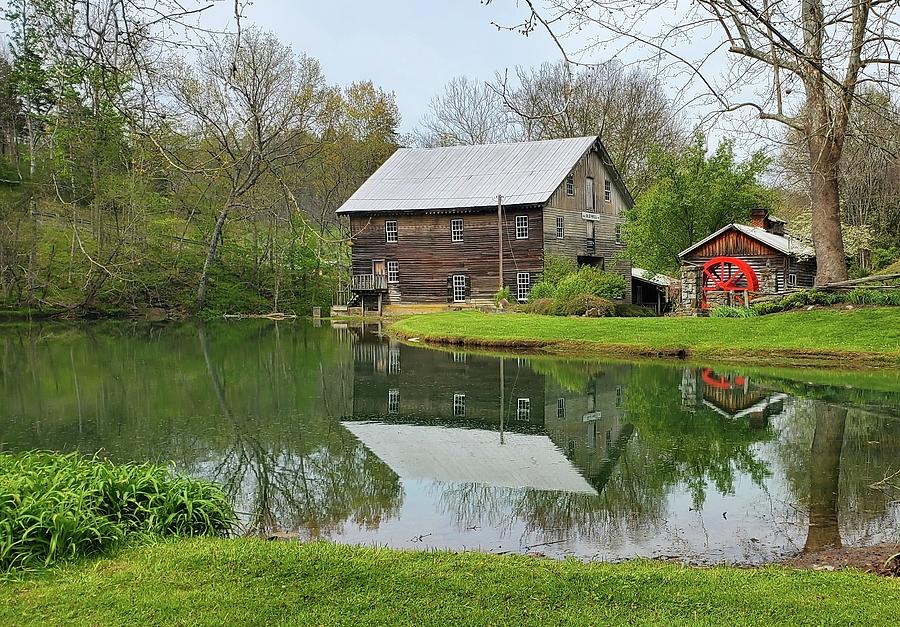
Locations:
792 280
459 288
607 190
523 286
560 408
456 230
459 405
393 401
390 231
523 408
589 194
393 271
560 227
619 239
521 227
570 185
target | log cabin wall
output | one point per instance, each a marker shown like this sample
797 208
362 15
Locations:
773 267
427 256
568 203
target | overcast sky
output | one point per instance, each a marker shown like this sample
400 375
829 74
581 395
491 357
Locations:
410 47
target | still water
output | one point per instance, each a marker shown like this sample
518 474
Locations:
340 433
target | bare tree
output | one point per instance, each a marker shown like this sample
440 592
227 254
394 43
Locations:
251 110
626 107
796 63
467 112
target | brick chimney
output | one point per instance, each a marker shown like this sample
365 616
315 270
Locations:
758 217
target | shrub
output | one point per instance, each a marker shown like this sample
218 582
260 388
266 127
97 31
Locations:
585 304
502 295
542 306
732 312
626 310
557 268
541 290
591 281
55 507
805 298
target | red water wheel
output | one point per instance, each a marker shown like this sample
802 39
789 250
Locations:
729 275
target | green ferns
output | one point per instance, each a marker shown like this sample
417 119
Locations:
806 298
55 507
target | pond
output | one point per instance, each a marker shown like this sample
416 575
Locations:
338 432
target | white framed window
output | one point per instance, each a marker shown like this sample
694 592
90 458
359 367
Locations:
390 231
560 408
394 361
792 280
523 408
523 286
459 288
570 185
607 190
619 239
521 227
560 227
393 401
393 271
456 230
459 405
589 193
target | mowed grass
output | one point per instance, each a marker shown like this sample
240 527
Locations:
229 582
863 333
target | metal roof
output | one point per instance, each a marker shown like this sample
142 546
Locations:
513 460
656 279
782 243
472 176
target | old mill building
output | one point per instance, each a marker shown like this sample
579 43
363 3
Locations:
434 226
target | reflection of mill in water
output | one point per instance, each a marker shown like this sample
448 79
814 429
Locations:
731 395
467 418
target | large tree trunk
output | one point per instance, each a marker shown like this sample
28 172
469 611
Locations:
824 158
825 473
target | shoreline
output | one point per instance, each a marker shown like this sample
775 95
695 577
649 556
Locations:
473 330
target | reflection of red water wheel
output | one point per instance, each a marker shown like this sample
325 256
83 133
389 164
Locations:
723 382
731 275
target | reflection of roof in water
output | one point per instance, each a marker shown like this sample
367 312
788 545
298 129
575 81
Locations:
471 456
759 406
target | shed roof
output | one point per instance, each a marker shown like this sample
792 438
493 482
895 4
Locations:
660 280
473 176
471 456
782 243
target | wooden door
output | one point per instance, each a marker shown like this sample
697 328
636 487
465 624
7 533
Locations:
378 267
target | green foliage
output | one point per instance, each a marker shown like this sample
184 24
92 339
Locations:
557 268
732 312
627 310
56 507
585 304
588 280
694 196
806 298
501 295
882 258
542 290
542 306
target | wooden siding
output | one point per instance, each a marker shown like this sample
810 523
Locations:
427 256
569 208
763 259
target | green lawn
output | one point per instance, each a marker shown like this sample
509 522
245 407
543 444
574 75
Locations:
228 582
867 334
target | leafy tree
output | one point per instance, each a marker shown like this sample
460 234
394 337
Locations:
694 196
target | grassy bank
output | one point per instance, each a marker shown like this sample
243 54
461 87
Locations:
256 582
869 334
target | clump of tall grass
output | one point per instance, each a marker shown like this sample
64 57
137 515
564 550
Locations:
55 507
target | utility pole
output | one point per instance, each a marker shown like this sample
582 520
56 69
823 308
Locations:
500 237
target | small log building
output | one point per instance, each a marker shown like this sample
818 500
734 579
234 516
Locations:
433 225
740 261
